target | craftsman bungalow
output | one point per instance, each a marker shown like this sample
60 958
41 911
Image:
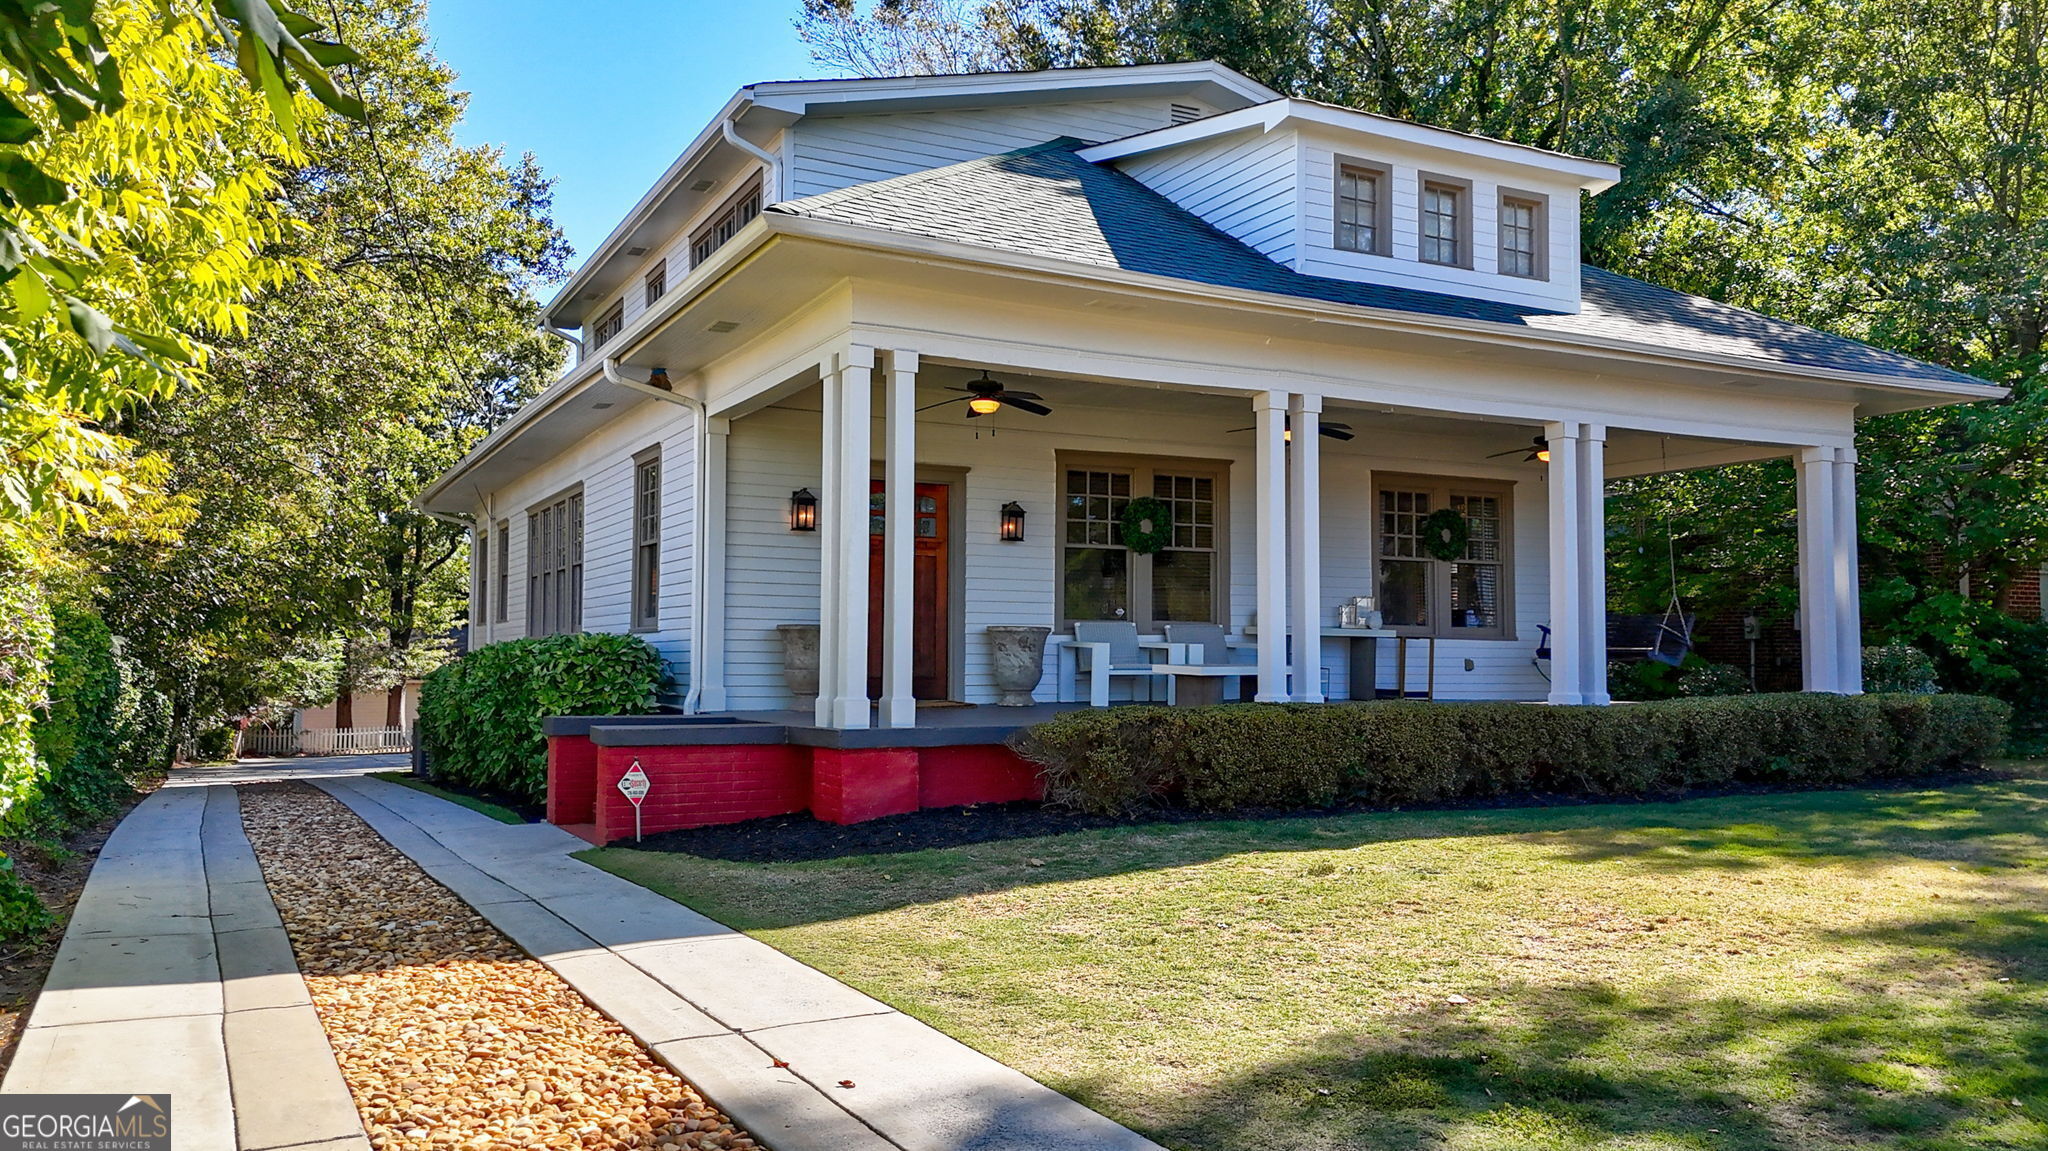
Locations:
1324 354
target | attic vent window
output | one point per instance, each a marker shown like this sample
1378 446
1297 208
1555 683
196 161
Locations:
610 324
737 213
1182 113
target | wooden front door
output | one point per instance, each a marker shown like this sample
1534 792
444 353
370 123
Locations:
929 603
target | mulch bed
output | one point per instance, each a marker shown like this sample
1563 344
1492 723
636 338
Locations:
59 877
794 838
446 1033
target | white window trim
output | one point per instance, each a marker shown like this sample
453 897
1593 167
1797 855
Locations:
646 616
570 571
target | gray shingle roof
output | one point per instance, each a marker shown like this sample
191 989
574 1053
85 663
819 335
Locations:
1047 201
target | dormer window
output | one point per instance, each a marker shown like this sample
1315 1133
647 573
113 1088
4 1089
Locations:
1446 222
609 325
1363 202
1521 236
737 213
657 282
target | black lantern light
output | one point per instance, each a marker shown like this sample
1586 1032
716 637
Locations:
803 511
1013 522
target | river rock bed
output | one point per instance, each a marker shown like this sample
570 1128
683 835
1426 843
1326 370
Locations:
447 1034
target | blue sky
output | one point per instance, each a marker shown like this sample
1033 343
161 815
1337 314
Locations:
608 97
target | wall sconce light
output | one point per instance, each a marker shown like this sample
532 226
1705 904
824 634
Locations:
803 511
1013 522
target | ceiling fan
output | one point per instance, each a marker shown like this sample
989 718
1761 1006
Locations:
1336 431
986 397
1538 449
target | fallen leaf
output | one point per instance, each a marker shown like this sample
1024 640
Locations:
782 1063
846 1082
1456 999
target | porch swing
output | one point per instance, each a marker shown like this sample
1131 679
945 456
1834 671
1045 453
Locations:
1666 639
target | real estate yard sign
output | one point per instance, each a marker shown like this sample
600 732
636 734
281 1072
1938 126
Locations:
634 786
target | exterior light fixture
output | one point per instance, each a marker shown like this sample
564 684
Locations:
1013 522
984 405
1542 455
803 511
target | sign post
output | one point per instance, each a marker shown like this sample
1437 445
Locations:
634 786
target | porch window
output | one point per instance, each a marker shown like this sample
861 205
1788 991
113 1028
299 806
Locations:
1101 578
483 578
647 541
554 566
1469 597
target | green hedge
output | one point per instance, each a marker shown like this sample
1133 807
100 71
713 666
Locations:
480 716
1391 753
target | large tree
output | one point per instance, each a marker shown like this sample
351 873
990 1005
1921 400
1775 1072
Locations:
414 333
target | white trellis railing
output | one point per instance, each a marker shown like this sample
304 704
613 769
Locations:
354 741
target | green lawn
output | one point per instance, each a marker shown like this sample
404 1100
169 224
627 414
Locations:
1823 970
496 811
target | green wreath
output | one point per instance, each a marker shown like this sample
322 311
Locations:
1445 533
1147 525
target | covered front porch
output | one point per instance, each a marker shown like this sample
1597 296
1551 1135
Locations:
1279 504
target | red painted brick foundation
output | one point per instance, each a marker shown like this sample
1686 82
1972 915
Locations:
699 786
572 779
983 773
702 785
852 786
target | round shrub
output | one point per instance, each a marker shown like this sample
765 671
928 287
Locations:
1898 667
481 715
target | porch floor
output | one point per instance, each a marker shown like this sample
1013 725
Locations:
952 726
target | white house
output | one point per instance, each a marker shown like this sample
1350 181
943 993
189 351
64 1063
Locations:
1195 276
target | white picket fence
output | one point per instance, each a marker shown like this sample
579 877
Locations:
355 741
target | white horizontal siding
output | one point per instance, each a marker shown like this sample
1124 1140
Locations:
829 153
603 463
1244 185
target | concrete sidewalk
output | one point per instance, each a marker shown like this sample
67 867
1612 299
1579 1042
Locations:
765 1038
175 977
270 770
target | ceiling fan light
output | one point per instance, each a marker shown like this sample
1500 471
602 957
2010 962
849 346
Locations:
984 406
1540 455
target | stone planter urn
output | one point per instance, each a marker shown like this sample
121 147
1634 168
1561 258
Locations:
800 661
1017 660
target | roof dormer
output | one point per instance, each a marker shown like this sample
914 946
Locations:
1334 192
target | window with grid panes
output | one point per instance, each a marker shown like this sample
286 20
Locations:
647 543
1103 579
657 282
1520 226
483 578
504 570
1358 209
737 213
609 325
1443 207
1421 595
554 552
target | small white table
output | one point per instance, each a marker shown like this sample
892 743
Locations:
1361 656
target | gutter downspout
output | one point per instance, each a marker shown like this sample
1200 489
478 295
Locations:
773 183
699 570
572 341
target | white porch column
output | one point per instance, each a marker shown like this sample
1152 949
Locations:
1567 555
1848 590
1270 430
1819 622
849 539
711 504
1592 529
899 519
828 554
1305 545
